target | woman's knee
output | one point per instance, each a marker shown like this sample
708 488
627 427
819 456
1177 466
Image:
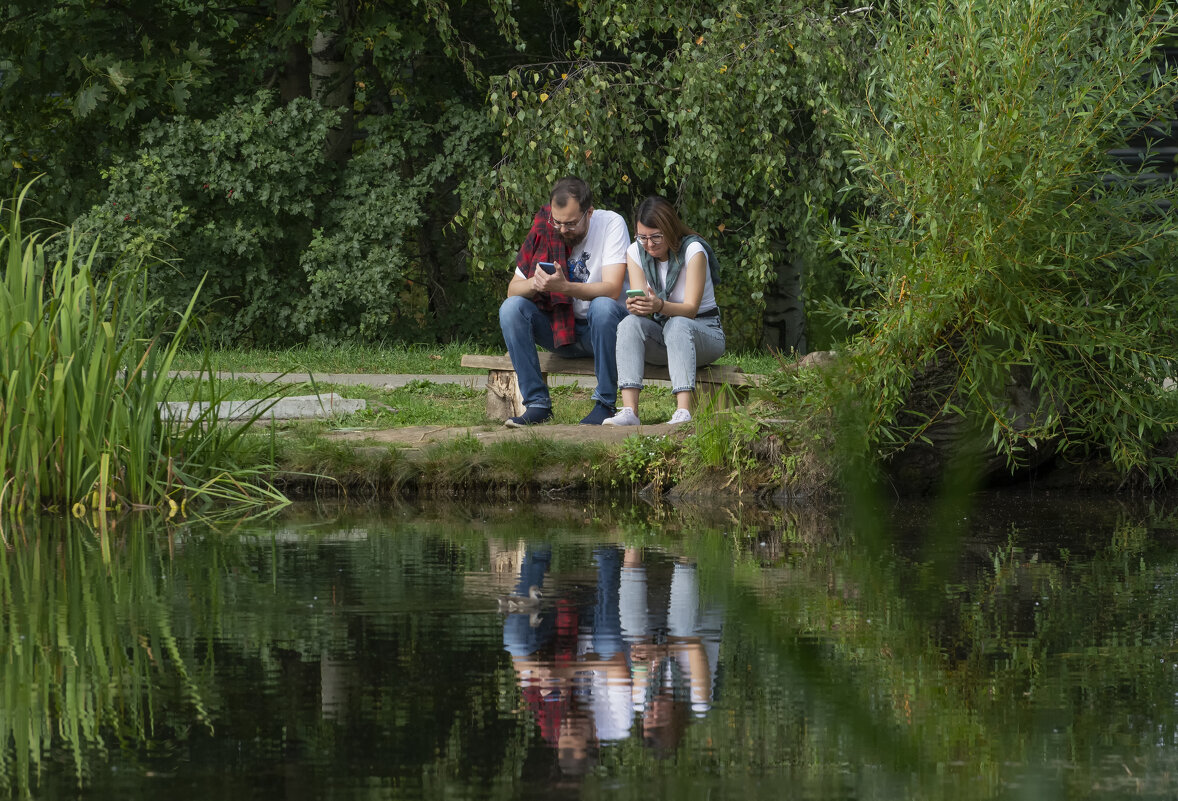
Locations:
630 329
679 330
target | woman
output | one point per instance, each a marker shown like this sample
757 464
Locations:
674 321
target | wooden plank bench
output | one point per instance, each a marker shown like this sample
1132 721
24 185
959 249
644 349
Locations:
504 399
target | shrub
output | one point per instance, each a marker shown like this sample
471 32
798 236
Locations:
1007 264
229 203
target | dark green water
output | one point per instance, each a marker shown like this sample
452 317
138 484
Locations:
1023 648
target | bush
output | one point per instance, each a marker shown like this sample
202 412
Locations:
1001 252
230 202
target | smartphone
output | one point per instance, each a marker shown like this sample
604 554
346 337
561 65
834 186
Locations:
635 293
548 267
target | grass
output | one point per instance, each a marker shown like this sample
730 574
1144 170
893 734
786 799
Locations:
419 403
305 450
392 359
400 359
454 465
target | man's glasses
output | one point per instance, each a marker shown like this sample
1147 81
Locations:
566 226
652 239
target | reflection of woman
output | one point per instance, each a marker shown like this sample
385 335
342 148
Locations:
676 322
674 643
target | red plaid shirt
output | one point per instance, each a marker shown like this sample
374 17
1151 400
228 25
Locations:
544 244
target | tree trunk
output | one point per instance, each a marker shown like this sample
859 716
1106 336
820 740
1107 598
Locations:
922 465
332 87
294 78
784 324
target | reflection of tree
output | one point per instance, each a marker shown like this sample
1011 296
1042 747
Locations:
963 657
344 643
839 649
88 650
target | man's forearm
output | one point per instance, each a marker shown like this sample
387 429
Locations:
610 287
522 287
590 291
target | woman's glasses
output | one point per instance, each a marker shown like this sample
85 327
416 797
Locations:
652 239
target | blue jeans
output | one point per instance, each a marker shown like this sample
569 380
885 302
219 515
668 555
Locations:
524 327
683 345
520 637
607 621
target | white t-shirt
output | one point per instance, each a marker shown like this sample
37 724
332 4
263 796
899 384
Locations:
707 300
604 243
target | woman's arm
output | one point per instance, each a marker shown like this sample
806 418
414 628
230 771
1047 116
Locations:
694 276
648 303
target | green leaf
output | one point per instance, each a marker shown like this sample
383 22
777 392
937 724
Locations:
88 99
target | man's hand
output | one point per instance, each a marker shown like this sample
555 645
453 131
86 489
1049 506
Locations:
544 281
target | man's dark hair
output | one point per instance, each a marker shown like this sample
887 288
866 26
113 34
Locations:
571 187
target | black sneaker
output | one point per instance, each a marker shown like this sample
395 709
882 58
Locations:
533 415
600 414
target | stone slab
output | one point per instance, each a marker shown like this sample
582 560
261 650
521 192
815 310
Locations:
299 407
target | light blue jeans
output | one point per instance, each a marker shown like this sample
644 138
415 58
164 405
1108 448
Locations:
524 327
682 344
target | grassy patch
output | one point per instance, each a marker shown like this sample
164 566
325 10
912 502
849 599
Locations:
333 467
389 359
412 359
327 467
463 461
418 403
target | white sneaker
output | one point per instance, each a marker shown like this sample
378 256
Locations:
624 417
680 416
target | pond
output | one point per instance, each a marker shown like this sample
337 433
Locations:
1020 647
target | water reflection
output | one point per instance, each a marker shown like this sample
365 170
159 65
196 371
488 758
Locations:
638 658
1006 652
87 650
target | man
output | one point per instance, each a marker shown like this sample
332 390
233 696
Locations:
572 311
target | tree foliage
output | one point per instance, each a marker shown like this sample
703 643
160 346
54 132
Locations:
1009 269
720 105
301 153
230 201
78 78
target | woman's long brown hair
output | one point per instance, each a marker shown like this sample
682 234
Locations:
657 212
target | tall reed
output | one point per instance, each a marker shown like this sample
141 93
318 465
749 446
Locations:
84 364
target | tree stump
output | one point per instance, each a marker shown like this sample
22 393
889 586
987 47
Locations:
503 397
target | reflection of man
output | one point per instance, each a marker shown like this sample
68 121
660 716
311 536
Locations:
572 311
574 746
524 634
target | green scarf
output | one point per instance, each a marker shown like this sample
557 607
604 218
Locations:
650 267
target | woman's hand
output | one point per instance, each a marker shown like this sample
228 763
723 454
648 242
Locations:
646 304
